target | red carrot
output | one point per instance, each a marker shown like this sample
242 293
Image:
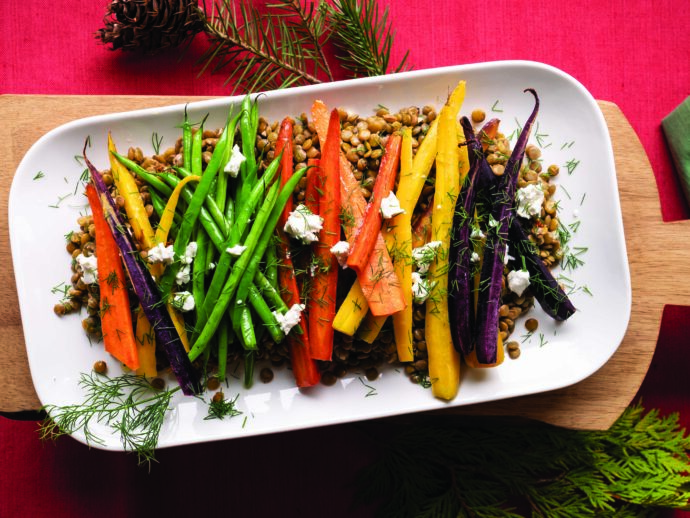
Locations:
365 235
322 292
116 316
304 368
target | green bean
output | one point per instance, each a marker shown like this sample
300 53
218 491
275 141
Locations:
222 185
269 292
247 329
150 178
226 293
186 141
264 313
272 265
197 161
210 205
198 276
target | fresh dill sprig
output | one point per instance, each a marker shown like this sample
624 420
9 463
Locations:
220 408
39 175
128 404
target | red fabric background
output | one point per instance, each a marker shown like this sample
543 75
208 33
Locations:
635 53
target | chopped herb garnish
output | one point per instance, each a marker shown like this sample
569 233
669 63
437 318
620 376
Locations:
495 108
39 175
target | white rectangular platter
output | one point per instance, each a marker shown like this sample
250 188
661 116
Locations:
44 207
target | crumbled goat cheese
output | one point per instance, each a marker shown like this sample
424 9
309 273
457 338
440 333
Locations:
289 319
507 257
421 288
236 160
161 254
183 301
529 200
89 268
518 280
340 250
390 206
477 233
189 253
475 257
425 255
183 275
304 225
236 250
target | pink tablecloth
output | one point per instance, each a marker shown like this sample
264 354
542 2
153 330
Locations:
635 53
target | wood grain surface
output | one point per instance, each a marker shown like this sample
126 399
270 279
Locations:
594 403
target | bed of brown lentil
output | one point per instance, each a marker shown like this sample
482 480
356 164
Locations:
362 140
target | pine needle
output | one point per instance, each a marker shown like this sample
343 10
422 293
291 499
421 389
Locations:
364 37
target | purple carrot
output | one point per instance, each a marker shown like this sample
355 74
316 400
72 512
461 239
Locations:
147 291
460 278
551 297
495 250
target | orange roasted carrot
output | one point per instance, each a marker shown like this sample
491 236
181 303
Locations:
116 317
365 235
304 367
322 292
378 282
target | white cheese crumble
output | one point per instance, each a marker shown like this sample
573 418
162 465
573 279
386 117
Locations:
341 250
529 200
161 254
89 268
477 233
518 280
189 253
507 257
183 300
425 255
475 257
183 275
421 288
390 206
304 225
290 319
236 160
236 250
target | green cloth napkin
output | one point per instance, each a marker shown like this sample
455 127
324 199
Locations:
676 126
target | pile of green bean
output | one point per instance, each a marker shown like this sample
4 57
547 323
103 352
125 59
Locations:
235 296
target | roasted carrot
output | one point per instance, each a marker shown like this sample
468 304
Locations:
323 288
365 234
444 360
421 231
304 368
116 316
378 283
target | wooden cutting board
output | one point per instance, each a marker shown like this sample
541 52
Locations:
594 403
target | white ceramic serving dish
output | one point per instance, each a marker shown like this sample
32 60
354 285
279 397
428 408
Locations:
570 127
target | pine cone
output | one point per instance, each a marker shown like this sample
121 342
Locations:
150 25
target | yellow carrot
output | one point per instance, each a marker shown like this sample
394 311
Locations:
444 361
146 346
352 311
371 327
134 206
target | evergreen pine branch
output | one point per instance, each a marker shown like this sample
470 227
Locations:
262 51
310 26
484 468
363 36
